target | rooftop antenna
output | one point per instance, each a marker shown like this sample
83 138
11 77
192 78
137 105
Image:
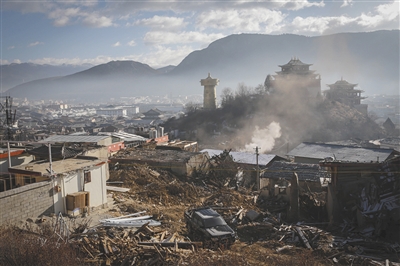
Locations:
9 119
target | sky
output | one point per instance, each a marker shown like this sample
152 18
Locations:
162 33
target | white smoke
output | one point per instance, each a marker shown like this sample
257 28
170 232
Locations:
264 139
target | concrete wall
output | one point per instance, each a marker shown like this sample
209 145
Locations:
101 153
97 187
105 142
21 203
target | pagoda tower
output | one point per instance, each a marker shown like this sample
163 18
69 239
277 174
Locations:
295 75
345 92
210 92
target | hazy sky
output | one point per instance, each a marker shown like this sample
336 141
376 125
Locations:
161 33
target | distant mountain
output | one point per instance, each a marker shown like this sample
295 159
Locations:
370 59
15 74
117 69
164 70
98 82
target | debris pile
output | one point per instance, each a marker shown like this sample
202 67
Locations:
129 246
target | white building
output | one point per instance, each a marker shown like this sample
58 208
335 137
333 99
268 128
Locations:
78 184
112 112
118 111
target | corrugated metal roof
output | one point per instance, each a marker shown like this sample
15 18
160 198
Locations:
69 138
244 157
340 153
124 136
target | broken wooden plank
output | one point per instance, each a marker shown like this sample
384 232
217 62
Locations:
303 237
283 248
184 245
117 189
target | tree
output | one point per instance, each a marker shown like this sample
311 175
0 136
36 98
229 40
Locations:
243 90
227 96
191 107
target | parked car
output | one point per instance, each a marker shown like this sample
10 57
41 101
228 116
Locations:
206 225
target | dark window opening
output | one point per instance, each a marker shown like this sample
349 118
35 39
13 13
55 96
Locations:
88 177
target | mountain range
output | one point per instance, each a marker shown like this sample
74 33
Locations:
15 74
369 59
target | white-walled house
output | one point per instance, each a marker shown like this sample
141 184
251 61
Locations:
78 184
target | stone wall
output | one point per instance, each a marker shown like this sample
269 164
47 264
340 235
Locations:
32 201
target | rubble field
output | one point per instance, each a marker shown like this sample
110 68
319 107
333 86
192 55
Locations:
264 235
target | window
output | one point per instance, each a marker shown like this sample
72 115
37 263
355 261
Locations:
29 180
88 177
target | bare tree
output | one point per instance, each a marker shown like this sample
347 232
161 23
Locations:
226 96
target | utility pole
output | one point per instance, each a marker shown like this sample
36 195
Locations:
9 119
50 163
257 171
7 122
9 164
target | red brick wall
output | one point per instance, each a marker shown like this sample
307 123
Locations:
116 146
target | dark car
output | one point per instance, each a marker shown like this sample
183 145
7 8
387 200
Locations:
207 225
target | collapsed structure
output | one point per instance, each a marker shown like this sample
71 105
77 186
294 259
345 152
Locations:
366 195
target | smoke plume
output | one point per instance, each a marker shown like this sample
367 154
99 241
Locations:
264 138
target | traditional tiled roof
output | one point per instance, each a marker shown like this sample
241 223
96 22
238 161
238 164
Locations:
305 172
56 152
342 83
295 62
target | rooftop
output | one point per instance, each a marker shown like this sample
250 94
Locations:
73 138
124 136
295 62
244 157
341 153
42 168
155 155
56 151
305 172
342 82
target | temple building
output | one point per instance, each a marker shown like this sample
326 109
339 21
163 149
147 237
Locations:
344 92
210 92
295 75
